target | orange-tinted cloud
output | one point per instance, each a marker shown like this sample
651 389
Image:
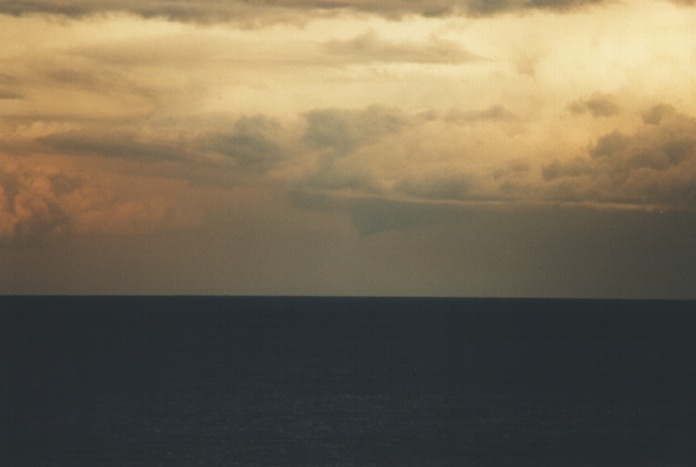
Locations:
43 199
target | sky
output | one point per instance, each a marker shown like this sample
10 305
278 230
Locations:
476 148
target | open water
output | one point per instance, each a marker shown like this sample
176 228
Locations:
139 381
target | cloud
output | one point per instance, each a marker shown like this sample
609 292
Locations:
573 168
417 156
342 131
256 141
487 7
30 205
210 11
406 158
495 112
345 142
656 113
491 164
126 144
40 200
49 83
598 105
187 10
655 165
335 175
253 142
370 47
5 94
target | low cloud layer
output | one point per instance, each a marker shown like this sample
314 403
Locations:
355 154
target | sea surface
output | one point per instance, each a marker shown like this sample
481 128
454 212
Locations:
254 381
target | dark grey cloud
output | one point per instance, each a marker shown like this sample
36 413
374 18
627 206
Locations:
343 131
8 79
339 134
656 113
261 11
254 141
62 184
573 168
512 179
7 94
667 145
598 105
126 144
503 184
495 112
370 47
186 10
7 84
83 79
609 144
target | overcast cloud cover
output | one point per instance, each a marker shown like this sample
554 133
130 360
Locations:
477 148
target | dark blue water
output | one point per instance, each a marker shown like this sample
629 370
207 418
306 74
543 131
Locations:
347 381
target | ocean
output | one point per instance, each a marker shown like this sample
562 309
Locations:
296 381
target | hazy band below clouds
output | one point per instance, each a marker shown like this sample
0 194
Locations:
405 249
